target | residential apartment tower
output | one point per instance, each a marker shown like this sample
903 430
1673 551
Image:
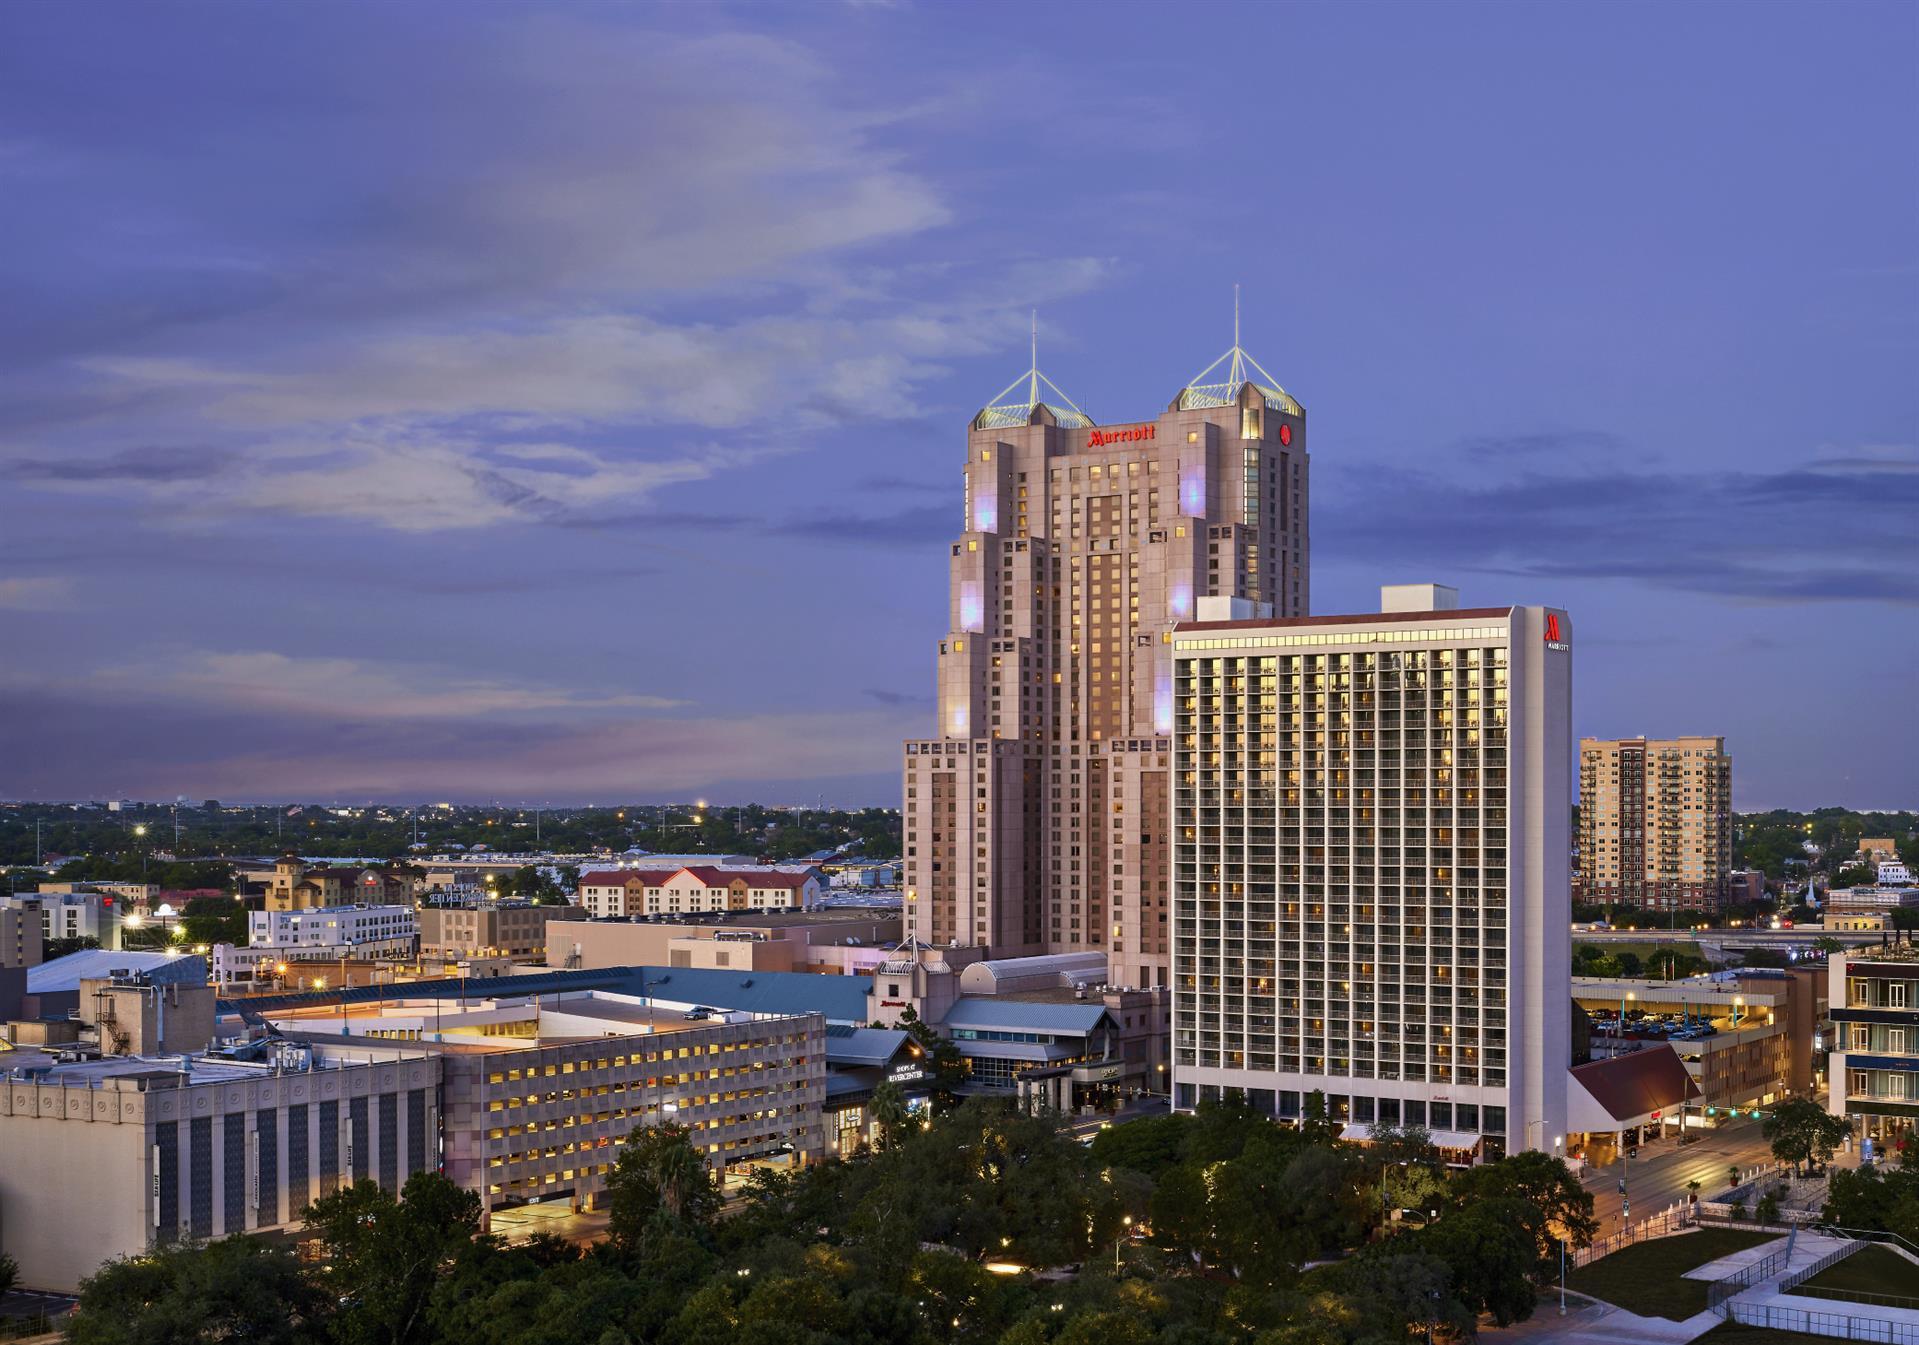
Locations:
1655 822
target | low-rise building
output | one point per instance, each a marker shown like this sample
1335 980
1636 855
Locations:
828 940
541 1089
1745 1038
140 894
73 915
1894 891
140 1135
20 936
323 932
697 888
296 885
490 928
1873 1073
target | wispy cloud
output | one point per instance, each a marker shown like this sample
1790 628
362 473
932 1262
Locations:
36 593
329 688
1837 528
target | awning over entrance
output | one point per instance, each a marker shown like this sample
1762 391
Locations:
1627 1090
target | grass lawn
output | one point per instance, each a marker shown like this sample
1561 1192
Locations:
1871 1270
1649 1277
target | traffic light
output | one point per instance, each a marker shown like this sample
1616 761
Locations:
1712 1111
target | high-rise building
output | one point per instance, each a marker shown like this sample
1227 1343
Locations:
1655 822
1371 866
1873 1072
1035 819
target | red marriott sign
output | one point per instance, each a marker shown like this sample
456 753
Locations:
1100 438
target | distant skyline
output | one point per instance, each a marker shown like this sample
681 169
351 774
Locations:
567 402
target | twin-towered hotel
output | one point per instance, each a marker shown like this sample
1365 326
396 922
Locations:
1341 842
1037 819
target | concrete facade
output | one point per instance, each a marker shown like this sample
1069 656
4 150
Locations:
20 936
1372 841
541 1091
106 1158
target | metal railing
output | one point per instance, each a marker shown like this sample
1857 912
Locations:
1809 1322
1661 1225
1791 1282
1757 1272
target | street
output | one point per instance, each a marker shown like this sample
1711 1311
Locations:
1658 1177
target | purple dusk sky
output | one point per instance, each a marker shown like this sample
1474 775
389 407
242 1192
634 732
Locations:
554 403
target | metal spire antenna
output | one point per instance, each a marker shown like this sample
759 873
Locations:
1004 411
1203 390
1033 388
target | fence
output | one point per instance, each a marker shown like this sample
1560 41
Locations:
1757 1272
1661 1225
1808 1322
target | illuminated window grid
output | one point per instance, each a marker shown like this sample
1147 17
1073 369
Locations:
1360 932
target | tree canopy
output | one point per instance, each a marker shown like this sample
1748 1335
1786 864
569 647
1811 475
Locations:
1183 1230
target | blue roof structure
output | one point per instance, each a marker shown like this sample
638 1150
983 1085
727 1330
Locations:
988 1013
839 999
64 974
855 1046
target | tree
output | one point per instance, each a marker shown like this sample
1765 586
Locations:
9 1274
212 920
1543 1184
236 1289
384 1257
659 1180
948 1065
1180 1219
890 1112
1149 1144
1801 1130
1491 1254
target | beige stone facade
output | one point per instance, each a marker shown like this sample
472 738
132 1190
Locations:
1655 822
490 929
831 941
1035 816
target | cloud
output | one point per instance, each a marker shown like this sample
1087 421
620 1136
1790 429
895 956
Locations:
1832 529
319 687
905 527
150 465
58 745
38 593
898 698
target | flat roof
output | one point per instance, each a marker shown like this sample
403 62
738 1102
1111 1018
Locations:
843 999
47 1069
621 1017
1351 619
785 919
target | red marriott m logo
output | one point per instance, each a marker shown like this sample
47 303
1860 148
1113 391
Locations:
1552 625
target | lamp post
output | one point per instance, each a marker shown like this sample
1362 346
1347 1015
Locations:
1126 1224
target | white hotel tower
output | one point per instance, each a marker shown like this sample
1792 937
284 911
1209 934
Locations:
1371 865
